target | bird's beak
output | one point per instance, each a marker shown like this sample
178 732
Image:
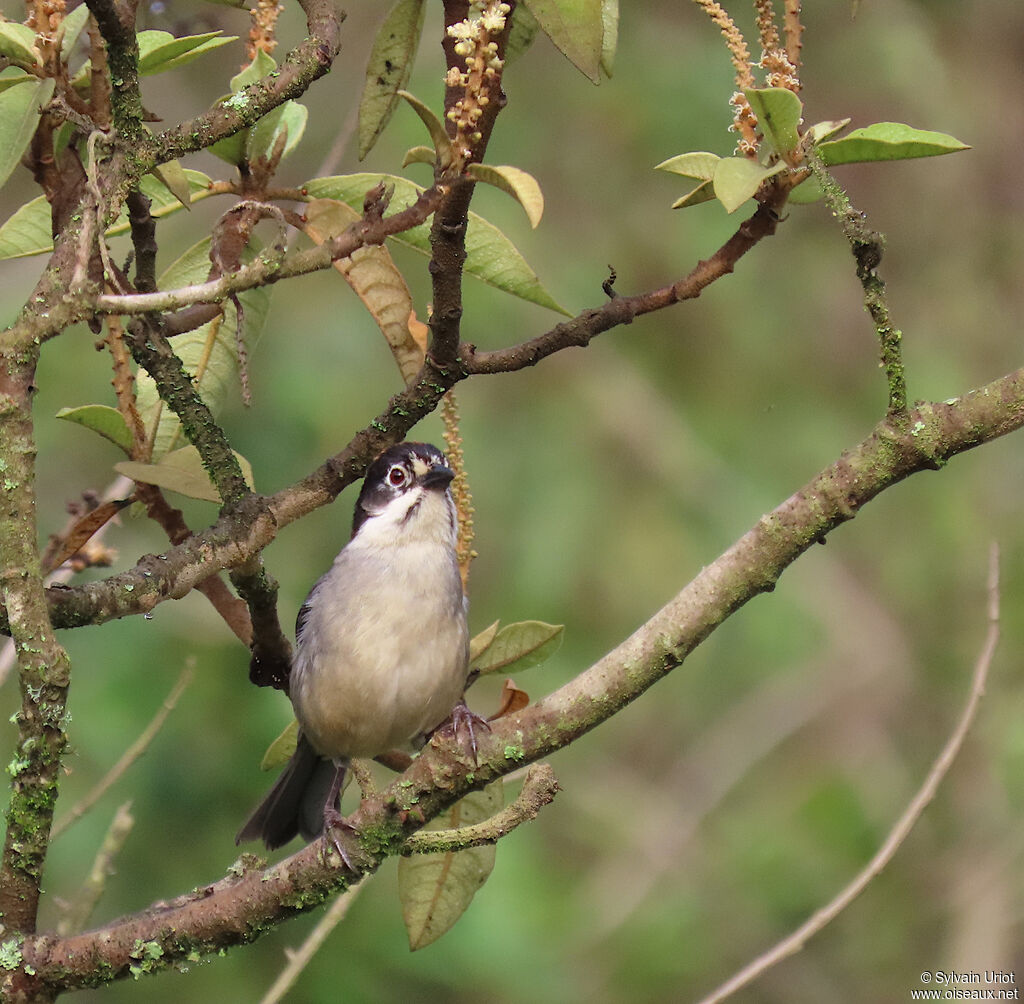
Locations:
437 475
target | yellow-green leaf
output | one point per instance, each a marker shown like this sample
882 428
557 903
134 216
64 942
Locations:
610 37
27 232
373 276
436 889
481 642
442 142
490 255
821 131
19 117
18 44
524 31
887 141
778 112
73 25
702 193
419 155
108 422
181 471
519 184
288 118
391 58
738 179
698 165
280 751
172 176
523 645
12 76
160 50
577 29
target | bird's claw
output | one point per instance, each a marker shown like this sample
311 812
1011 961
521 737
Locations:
334 822
463 725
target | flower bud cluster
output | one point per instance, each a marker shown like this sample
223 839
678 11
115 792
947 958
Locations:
475 43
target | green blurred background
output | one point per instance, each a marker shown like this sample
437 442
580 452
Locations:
718 812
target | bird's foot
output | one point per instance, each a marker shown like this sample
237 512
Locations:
334 825
463 726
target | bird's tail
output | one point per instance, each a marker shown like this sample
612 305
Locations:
296 802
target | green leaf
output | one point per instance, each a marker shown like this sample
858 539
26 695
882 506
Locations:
490 255
521 36
419 155
27 232
577 29
209 353
280 751
288 118
481 642
610 37
738 178
172 176
519 184
160 50
12 76
231 148
697 165
436 889
262 65
391 59
524 645
442 142
821 131
17 43
181 471
778 112
887 141
73 25
704 192
108 422
19 117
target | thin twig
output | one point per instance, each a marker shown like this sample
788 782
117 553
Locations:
795 941
129 756
78 912
867 246
299 959
539 789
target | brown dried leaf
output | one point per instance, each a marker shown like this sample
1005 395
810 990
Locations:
80 533
512 700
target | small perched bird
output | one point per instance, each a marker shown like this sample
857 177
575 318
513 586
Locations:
381 643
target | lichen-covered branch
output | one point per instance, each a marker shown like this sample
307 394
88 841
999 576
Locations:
867 246
304 64
539 789
43 665
238 909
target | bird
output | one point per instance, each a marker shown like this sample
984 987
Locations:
381 644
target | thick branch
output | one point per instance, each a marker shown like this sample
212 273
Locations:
237 910
42 663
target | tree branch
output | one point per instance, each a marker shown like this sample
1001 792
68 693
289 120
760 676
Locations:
539 789
307 62
237 909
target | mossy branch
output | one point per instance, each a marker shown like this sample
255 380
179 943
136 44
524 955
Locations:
867 246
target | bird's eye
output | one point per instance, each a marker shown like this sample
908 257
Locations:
397 476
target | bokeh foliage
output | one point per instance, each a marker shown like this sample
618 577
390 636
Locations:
715 814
